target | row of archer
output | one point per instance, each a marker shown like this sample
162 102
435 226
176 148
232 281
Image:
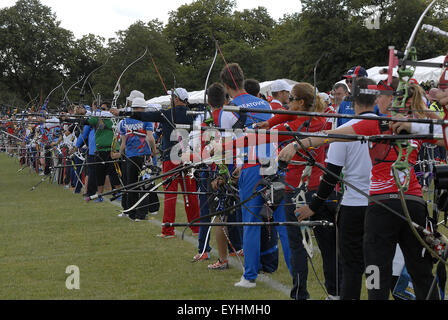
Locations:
303 98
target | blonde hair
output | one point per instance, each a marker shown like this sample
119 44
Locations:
305 91
418 105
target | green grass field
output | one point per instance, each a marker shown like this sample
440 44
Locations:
45 230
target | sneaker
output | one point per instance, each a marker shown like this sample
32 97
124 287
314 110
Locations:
218 265
123 215
154 213
244 283
239 252
67 186
330 297
166 236
201 257
98 200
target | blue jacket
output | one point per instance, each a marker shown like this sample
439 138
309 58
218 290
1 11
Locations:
345 108
88 135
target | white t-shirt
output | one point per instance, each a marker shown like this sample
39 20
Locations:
355 158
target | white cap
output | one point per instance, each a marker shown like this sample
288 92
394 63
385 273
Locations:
181 93
135 94
280 85
324 96
138 103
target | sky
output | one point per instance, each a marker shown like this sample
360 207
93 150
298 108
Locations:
105 17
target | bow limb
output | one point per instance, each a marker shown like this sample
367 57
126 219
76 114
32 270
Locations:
416 28
117 88
401 165
207 109
66 94
82 92
47 99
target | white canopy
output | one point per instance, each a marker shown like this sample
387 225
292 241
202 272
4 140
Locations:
422 74
198 96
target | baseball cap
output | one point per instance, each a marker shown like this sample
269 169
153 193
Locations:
356 71
135 94
181 93
280 85
324 96
382 86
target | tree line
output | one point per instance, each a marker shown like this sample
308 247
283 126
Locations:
37 54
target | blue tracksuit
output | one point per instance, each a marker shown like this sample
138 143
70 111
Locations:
250 176
88 136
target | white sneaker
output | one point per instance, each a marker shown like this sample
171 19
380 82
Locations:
245 283
155 213
122 215
330 297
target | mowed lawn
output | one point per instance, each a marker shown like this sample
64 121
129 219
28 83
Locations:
44 231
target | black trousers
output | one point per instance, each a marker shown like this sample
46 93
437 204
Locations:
105 169
383 230
132 168
326 241
299 256
91 172
350 236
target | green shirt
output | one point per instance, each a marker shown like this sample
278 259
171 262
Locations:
103 133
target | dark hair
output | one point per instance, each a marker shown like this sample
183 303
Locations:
232 76
106 102
252 87
216 95
367 100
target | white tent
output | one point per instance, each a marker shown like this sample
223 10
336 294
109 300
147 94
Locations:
422 74
198 96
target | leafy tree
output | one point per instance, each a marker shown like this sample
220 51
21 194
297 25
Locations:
33 48
191 29
129 45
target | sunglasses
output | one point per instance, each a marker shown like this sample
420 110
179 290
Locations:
348 80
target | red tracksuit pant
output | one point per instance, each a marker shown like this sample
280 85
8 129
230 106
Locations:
169 208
